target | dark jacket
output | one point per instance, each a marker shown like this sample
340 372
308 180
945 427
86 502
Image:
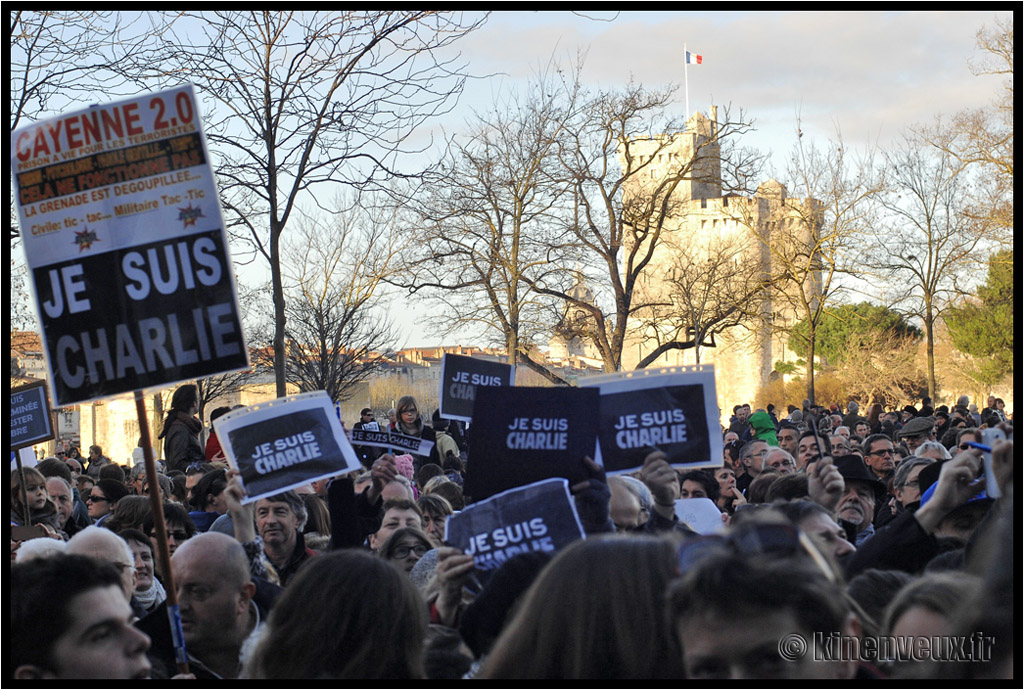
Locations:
157 626
181 441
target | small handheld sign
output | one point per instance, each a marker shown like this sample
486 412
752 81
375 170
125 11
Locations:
31 421
285 443
674 410
462 377
384 438
529 434
538 517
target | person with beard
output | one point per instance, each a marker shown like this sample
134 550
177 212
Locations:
862 494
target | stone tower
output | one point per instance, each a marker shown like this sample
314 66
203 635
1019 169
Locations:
744 357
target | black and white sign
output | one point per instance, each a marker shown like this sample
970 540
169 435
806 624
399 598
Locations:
674 410
461 377
523 435
124 238
30 415
538 517
383 438
285 443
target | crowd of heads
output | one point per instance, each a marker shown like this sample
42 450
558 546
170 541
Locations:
351 577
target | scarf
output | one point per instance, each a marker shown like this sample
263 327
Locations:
152 597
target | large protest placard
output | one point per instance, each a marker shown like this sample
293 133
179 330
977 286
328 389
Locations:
538 517
384 438
523 435
124 238
460 379
285 443
674 410
30 415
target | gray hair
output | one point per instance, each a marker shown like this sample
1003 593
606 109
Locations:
934 445
899 480
853 406
294 502
775 450
638 489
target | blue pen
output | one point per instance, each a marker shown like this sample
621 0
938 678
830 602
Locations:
979 446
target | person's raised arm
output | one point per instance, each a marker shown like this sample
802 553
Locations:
663 482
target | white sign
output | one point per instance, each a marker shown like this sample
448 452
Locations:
123 234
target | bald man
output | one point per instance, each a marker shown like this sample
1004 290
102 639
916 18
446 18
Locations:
215 596
104 545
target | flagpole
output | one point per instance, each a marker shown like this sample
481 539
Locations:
686 77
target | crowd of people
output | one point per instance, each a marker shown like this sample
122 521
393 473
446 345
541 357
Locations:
843 531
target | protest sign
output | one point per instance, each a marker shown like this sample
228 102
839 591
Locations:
30 415
285 443
124 238
538 517
700 514
523 435
390 439
460 379
674 410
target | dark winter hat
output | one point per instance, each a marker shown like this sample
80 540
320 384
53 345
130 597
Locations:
853 469
917 426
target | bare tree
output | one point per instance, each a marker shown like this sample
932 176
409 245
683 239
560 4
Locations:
881 366
306 100
338 333
927 240
713 284
982 138
489 227
809 239
628 194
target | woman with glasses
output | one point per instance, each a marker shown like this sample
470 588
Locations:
405 547
410 423
103 498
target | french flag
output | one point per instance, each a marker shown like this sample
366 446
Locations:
693 58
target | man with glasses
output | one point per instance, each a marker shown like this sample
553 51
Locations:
779 459
880 456
752 461
104 545
917 431
839 444
905 487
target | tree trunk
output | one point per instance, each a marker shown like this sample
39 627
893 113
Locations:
279 317
929 330
810 363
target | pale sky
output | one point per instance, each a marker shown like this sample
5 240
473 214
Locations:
868 73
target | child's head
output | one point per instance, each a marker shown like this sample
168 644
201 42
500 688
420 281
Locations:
35 482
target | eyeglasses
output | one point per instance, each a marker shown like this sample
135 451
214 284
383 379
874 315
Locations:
887 451
177 535
96 499
913 482
404 551
782 463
